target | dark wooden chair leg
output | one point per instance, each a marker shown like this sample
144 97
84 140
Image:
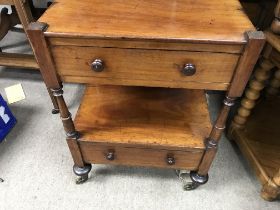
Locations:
55 109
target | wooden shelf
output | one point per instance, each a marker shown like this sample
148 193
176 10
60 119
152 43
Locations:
142 116
259 140
18 60
6 2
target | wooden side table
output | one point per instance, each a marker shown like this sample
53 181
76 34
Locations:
146 65
255 127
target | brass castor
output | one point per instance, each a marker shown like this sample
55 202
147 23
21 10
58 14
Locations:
191 180
55 111
82 173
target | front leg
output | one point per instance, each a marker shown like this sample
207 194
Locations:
200 176
80 168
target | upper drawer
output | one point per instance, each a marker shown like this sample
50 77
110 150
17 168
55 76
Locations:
145 67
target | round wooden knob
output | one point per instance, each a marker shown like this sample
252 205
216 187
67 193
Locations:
189 69
110 155
97 65
170 160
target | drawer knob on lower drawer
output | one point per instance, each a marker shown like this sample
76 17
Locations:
170 159
97 65
189 69
110 155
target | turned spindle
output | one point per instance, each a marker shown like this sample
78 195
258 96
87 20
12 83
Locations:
252 93
274 85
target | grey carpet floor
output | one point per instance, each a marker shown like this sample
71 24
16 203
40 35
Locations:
36 165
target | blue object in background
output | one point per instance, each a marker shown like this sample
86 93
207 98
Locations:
7 120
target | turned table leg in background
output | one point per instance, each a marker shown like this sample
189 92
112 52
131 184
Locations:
274 85
256 85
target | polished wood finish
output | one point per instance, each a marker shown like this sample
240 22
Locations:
247 62
23 12
274 86
143 125
146 43
214 137
273 39
18 60
148 66
134 156
253 92
158 117
42 54
152 19
6 2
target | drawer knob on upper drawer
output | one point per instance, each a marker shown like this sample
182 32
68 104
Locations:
97 65
110 155
189 69
170 159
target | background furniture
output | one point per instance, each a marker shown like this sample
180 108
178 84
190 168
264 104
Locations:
256 126
260 12
174 54
22 13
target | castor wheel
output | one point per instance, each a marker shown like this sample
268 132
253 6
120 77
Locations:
81 179
191 180
55 111
82 173
190 186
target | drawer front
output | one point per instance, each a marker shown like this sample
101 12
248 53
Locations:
102 154
145 67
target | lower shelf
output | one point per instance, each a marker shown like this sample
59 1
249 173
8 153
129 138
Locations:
259 140
143 126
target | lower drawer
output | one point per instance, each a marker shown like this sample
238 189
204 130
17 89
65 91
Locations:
110 154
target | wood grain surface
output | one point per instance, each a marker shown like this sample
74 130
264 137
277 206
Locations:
259 141
144 117
18 60
262 132
202 20
131 156
146 44
145 65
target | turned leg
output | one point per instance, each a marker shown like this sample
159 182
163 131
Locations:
81 169
55 109
200 176
252 94
273 89
35 32
271 190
